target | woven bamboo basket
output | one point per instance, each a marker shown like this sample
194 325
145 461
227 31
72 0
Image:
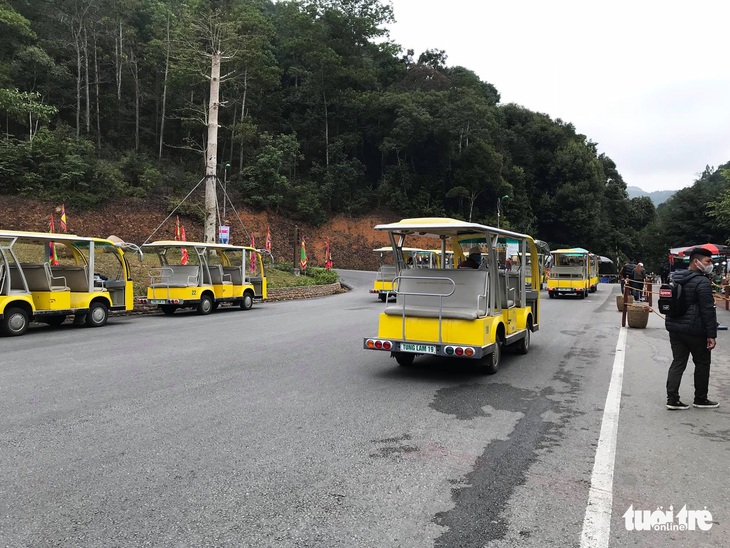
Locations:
638 315
620 302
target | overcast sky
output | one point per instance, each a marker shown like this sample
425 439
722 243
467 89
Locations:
649 81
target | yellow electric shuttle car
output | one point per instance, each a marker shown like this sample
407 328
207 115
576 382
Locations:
458 313
46 277
203 275
593 278
569 272
383 284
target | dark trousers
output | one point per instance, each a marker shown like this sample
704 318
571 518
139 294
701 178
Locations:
682 347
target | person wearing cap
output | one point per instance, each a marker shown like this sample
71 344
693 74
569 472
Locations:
694 332
475 257
637 281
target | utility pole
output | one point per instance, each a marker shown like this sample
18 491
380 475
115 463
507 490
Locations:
211 156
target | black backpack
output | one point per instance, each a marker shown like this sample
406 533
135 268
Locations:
671 301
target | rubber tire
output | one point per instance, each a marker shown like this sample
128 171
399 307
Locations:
205 306
55 320
97 315
404 359
168 309
523 346
552 295
16 322
491 362
382 298
247 301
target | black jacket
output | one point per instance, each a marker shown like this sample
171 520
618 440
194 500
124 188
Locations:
700 320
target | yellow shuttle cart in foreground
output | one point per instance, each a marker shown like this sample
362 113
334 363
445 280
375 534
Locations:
212 274
459 313
570 272
91 278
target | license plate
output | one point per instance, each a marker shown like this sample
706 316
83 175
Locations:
419 348
158 301
564 289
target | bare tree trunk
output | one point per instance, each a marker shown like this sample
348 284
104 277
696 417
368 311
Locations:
326 127
77 45
243 114
233 133
212 150
119 57
87 84
134 67
96 84
164 89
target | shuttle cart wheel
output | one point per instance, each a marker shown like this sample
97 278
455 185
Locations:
247 301
205 306
491 362
404 358
16 322
97 315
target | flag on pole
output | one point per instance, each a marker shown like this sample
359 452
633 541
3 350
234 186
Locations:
303 256
183 252
53 257
180 237
328 256
268 240
252 261
63 218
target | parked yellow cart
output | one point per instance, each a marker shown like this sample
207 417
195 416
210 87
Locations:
459 313
204 275
46 277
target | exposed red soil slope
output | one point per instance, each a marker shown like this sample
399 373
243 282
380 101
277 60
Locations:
352 239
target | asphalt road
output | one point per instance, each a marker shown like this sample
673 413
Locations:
272 427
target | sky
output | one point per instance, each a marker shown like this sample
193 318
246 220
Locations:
648 81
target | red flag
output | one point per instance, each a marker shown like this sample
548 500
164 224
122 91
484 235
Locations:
183 252
268 240
328 256
51 246
252 263
63 218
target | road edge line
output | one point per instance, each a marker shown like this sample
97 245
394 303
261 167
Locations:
597 521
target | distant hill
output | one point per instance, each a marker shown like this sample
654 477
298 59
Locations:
657 197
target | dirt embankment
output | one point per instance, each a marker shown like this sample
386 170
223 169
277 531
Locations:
352 239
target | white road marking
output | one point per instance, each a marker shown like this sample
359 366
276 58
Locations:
597 521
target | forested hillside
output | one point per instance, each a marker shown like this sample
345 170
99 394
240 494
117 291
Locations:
320 115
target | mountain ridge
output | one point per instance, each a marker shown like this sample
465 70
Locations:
657 196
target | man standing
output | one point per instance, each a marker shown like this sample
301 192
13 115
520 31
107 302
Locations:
638 276
694 332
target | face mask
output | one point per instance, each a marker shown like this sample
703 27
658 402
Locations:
706 268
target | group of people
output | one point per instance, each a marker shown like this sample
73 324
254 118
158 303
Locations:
634 274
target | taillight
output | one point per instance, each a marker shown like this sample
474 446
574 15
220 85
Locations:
468 352
449 350
375 344
459 351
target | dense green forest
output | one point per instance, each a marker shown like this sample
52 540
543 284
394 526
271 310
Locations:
321 114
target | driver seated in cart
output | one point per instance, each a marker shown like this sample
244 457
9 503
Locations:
474 259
